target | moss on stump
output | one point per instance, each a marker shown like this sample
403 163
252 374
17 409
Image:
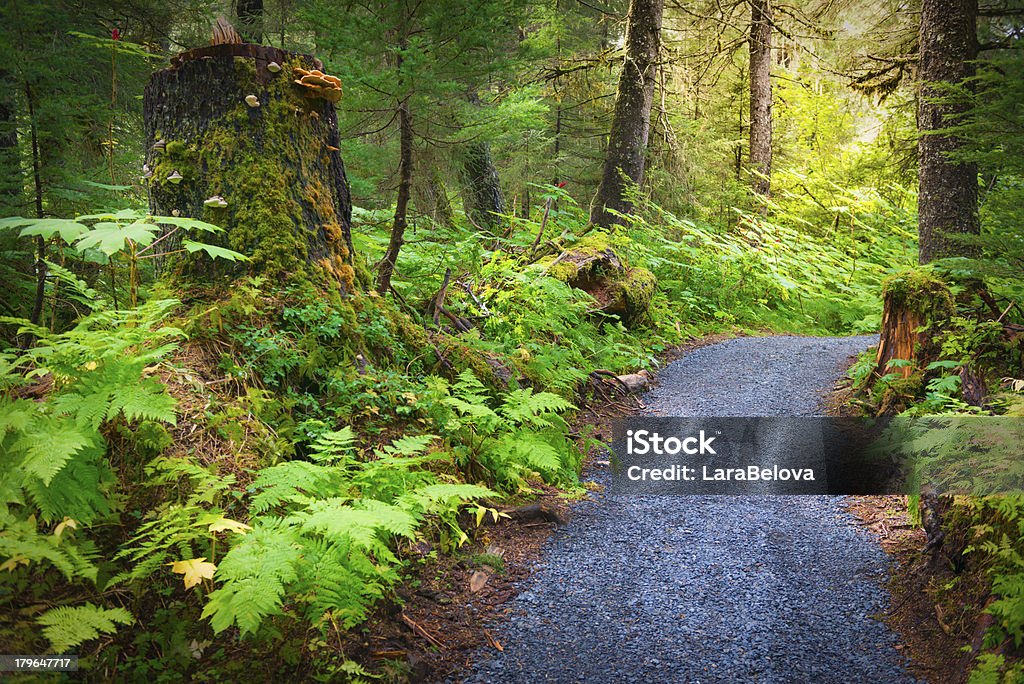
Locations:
914 301
234 128
592 265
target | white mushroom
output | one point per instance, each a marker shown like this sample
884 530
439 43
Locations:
159 145
252 100
216 201
273 67
175 177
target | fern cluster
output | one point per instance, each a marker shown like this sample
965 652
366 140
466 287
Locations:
324 531
505 442
56 477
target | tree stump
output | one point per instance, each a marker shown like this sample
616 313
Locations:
593 266
233 139
911 300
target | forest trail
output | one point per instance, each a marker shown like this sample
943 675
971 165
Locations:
710 589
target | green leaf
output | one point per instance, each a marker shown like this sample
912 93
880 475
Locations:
67 229
188 224
50 446
110 237
147 399
213 251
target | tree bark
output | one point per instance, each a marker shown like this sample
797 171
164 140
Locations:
484 199
947 201
761 95
276 165
387 265
430 193
250 19
11 180
631 122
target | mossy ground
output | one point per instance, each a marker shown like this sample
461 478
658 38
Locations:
921 291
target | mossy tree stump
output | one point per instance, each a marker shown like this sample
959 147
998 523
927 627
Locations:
593 266
911 302
233 124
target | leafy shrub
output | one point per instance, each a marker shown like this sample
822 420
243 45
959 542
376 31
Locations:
522 435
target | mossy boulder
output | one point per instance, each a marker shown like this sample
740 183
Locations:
593 265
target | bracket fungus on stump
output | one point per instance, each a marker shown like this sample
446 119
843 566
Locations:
274 169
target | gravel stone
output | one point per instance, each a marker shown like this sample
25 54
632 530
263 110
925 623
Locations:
701 589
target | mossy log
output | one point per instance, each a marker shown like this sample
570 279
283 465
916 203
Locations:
230 122
593 266
911 301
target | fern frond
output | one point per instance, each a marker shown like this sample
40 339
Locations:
477 411
77 491
49 444
408 446
332 446
338 519
15 416
337 584
294 481
146 400
523 407
444 496
527 449
21 544
469 388
67 627
254 575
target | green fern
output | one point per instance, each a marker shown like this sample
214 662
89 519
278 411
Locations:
21 544
331 447
254 574
294 482
325 531
67 627
523 407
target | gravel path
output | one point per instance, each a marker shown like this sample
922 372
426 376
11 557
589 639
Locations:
703 588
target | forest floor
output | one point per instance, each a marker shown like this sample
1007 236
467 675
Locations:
662 589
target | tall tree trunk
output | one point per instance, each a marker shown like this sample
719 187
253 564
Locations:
387 265
228 127
11 179
37 186
761 95
631 123
250 19
430 194
484 199
947 200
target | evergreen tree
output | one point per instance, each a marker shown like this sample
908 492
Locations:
627 142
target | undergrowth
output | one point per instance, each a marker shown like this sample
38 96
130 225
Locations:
187 483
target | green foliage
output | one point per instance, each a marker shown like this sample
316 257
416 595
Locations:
506 443
56 472
323 533
67 627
